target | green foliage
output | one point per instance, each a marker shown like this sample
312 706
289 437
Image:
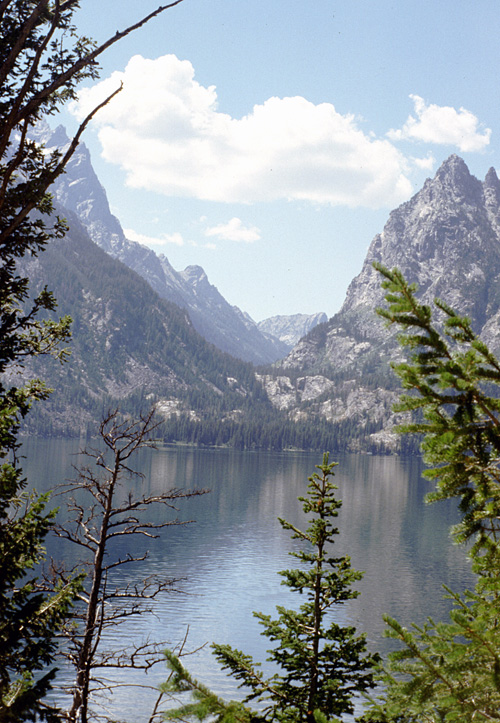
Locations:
322 664
204 704
42 60
30 618
450 671
446 671
453 381
259 428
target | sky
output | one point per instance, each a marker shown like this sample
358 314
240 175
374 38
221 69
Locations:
268 140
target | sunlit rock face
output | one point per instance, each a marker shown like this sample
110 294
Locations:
447 240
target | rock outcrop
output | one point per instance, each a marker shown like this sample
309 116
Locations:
447 240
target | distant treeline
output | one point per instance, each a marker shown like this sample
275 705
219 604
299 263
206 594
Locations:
279 434
272 430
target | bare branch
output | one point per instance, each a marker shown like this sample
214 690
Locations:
51 177
63 79
105 605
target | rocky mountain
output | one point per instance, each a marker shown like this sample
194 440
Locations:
133 350
290 329
130 348
447 239
333 390
80 191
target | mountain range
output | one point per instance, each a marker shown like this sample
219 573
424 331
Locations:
447 240
230 329
137 324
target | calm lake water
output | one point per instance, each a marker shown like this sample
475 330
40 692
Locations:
230 554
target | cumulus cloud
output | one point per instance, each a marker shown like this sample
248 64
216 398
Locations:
234 230
166 132
426 164
173 238
443 125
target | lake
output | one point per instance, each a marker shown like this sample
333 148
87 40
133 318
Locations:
229 556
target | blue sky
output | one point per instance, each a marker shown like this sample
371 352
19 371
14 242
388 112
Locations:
268 140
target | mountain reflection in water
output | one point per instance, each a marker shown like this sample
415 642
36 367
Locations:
229 556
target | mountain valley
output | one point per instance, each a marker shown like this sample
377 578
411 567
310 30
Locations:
447 240
137 325
221 323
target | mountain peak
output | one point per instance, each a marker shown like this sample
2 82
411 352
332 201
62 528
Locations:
491 179
58 138
453 169
454 161
454 182
194 274
491 188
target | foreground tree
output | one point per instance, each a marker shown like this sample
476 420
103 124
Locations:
450 671
30 619
103 509
323 665
453 380
42 60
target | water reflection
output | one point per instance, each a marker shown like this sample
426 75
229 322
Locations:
230 555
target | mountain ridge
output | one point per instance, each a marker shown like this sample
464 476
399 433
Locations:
130 347
80 191
446 238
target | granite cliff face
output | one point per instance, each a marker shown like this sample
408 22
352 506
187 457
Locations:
80 191
447 240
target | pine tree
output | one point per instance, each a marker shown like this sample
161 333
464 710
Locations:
42 60
323 665
450 671
453 382
30 618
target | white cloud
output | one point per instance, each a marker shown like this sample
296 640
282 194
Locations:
426 164
443 125
173 238
166 132
234 230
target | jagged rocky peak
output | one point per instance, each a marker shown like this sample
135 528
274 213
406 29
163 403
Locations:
454 178
446 239
58 138
491 181
41 132
195 275
443 238
491 188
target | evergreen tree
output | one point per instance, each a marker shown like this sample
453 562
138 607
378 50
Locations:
42 60
30 618
450 671
453 382
323 665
